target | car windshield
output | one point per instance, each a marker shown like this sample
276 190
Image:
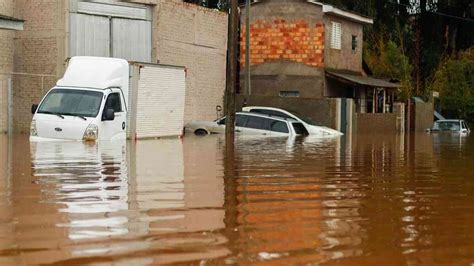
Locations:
446 126
72 102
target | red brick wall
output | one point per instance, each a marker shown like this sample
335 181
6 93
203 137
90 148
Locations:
288 40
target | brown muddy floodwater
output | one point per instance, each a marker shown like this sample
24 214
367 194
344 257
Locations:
379 200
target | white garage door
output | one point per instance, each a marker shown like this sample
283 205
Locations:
131 39
90 35
110 30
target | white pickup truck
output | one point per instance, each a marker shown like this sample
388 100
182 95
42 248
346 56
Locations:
93 101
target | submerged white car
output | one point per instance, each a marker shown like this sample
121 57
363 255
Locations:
250 124
312 129
450 125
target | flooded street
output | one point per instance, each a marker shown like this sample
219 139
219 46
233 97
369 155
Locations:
351 201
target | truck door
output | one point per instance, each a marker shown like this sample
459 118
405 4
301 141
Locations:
115 129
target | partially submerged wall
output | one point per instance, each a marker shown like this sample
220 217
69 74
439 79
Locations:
376 123
424 113
6 61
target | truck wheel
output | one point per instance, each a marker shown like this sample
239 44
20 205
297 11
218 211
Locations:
200 132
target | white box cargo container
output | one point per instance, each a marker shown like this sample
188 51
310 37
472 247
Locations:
157 100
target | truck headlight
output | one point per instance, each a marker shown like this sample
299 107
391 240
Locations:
91 133
33 131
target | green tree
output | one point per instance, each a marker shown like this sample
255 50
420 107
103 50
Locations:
454 80
387 59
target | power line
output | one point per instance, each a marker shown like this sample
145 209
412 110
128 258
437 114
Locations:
435 12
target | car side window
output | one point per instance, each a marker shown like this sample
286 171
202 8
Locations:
241 120
258 123
279 126
113 102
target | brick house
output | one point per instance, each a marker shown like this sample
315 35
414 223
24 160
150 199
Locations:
306 49
156 31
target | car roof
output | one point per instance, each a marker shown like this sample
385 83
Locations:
265 108
449 120
268 116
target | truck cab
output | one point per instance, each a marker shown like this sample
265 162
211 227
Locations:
89 103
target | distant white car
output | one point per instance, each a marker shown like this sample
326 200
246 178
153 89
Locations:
312 129
250 124
450 125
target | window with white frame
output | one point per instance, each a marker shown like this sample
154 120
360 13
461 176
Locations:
336 35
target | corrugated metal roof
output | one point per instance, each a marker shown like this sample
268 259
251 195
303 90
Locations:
361 80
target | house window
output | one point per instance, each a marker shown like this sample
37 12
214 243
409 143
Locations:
354 43
289 94
336 35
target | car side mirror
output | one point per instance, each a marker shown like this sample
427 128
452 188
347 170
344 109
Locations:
221 122
34 107
109 115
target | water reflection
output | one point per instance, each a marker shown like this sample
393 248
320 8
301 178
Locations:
360 199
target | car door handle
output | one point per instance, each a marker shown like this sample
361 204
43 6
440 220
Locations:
237 130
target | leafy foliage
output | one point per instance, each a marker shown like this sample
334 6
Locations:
387 59
454 80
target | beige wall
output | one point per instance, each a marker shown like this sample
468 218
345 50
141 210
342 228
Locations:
345 58
40 49
7 8
196 38
6 60
376 123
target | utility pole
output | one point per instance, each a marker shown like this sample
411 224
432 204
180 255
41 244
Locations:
248 83
232 83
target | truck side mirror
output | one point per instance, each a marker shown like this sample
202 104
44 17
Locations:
109 115
34 107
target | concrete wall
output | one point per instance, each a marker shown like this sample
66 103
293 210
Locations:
344 58
39 49
322 112
423 116
196 38
6 60
271 78
375 123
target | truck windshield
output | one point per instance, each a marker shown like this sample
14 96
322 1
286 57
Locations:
72 102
